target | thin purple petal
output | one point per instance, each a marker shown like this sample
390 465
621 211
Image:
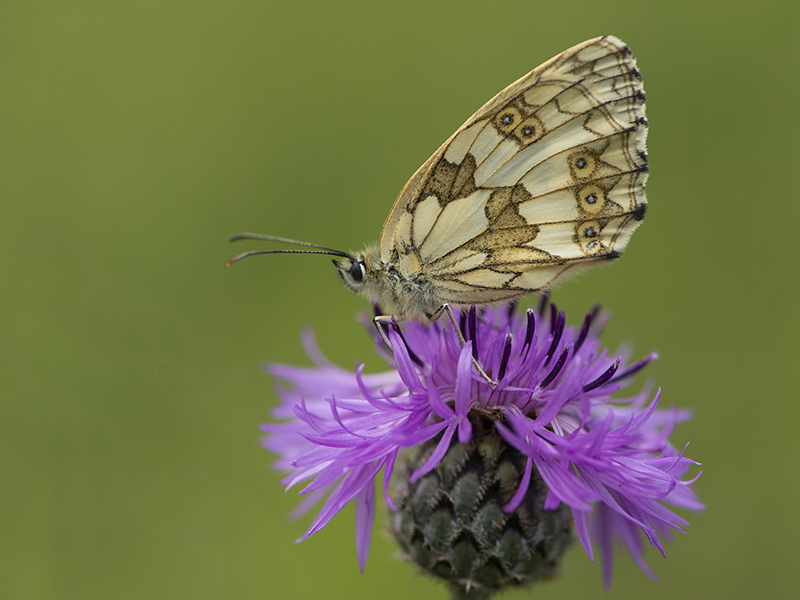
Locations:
365 516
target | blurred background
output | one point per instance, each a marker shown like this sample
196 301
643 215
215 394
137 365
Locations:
136 136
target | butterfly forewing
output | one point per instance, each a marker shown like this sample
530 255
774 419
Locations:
547 176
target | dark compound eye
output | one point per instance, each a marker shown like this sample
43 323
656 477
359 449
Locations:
357 271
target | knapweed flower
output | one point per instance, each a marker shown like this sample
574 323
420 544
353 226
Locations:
485 482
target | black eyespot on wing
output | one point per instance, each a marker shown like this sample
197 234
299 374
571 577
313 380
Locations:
640 211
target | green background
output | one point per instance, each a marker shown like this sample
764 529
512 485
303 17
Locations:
135 136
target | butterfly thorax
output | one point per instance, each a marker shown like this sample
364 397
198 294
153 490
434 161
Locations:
404 294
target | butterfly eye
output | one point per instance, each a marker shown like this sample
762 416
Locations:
357 271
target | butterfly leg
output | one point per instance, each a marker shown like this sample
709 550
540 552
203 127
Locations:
445 308
379 321
382 320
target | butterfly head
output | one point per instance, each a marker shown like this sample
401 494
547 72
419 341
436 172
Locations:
385 285
359 271
352 271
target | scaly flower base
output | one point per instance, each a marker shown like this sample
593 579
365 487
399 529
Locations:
451 521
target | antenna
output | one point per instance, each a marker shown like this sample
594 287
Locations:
273 238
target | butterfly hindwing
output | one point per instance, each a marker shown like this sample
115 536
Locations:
547 176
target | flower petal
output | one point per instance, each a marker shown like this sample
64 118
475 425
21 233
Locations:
365 516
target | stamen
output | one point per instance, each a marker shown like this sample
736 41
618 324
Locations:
556 368
604 378
506 354
587 322
512 306
462 324
557 333
530 329
636 367
543 303
414 358
473 330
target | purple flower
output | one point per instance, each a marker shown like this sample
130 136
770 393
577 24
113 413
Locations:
608 460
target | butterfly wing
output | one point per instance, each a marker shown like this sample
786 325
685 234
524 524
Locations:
548 176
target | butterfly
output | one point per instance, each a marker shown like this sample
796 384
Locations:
545 179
